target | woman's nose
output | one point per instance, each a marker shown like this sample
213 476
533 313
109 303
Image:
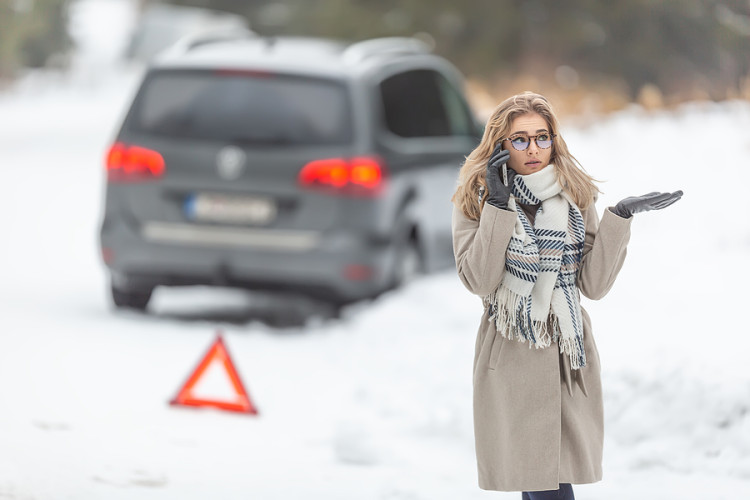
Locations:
533 148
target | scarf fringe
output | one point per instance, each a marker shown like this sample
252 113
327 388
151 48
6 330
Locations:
509 311
576 354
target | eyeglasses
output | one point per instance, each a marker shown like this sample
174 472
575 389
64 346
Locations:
521 142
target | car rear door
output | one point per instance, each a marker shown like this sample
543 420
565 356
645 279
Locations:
233 143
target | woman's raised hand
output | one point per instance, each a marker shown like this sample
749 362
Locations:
498 193
651 201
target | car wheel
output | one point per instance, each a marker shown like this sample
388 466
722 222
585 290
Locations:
408 263
131 299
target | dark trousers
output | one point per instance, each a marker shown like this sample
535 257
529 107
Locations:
564 493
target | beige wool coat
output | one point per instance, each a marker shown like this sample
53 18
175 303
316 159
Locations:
537 423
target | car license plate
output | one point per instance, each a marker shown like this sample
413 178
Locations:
233 209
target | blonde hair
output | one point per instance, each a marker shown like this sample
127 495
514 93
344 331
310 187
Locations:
578 184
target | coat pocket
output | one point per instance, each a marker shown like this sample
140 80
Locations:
497 344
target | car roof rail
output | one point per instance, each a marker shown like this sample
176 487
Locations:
190 42
394 45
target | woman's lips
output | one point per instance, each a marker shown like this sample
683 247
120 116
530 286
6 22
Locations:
532 163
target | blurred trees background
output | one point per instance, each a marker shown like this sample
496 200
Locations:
33 33
655 51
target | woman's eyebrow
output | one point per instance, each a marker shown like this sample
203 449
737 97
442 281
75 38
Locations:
525 132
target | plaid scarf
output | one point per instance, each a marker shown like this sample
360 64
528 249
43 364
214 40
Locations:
537 299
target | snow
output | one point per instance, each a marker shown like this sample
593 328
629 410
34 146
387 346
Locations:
377 404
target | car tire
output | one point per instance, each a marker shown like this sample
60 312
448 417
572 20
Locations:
131 299
409 262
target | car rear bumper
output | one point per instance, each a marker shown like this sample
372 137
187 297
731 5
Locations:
330 265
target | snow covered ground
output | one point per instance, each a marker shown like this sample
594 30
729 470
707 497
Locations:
376 405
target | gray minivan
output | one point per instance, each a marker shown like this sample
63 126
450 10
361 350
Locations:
306 165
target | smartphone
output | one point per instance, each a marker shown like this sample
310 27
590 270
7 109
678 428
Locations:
505 174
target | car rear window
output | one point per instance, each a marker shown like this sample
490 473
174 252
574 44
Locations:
243 107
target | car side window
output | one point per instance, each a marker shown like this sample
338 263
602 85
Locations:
423 103
455 106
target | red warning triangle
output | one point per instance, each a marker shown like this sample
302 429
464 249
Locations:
217 354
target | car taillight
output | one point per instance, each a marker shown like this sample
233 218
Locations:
108 255
127 163
358 176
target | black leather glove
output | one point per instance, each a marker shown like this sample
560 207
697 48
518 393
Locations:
498 193
651 201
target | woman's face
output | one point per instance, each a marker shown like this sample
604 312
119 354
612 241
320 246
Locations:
533 158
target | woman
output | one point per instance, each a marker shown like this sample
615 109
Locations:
527 239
